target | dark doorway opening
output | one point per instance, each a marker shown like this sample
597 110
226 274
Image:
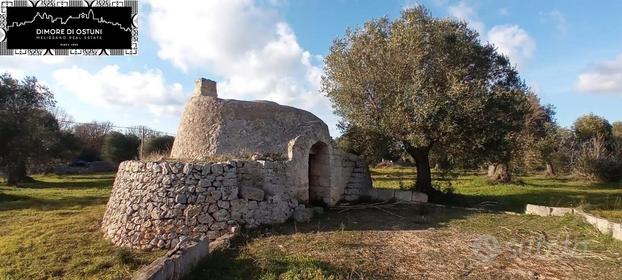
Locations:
319 174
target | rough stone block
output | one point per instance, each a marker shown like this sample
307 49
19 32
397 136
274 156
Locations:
318 210
419 197
602 225
252 193
303 215
384 195
403 195
538 210
561 211
617 231
176 264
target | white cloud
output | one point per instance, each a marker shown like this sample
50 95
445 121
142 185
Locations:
513 42
110 87
20 66
463 11
256 55
605 77
560 21
504 11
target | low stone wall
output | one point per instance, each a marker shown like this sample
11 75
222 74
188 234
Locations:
602 225
359 187
359 181
177 263
157 204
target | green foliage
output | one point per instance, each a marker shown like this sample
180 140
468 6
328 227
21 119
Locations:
476 190
427 82
597 154
372 146
158 145
616 132
91 137
595 162
119 147
534 147
591 126
28 131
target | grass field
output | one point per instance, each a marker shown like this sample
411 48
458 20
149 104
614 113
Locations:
419 242
50 229
603 199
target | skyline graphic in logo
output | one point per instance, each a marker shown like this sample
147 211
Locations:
69 28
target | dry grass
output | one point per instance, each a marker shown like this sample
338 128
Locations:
50 229
426 243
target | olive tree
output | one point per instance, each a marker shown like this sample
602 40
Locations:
28 131
527 154
591 126
426 82
616 131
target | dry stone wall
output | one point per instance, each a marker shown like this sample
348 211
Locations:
159 204
359 182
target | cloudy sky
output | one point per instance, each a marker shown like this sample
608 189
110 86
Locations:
568 51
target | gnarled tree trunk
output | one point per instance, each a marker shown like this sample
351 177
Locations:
16 173
550 171
421 156
499 173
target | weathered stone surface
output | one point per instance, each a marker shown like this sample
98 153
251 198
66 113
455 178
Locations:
616 231
177 264
318 210
603 225
403 195
148 209
420 197
155 204
252 193
384 195
211 126
561 211
538 210
303 215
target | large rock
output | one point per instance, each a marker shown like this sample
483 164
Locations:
252 193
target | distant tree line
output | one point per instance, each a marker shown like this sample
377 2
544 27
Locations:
36 133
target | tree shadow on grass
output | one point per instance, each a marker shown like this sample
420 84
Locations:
71 185
20 202
271 262
565 198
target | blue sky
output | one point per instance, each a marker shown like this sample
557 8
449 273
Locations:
568 51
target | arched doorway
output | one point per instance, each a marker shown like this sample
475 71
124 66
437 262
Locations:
319 173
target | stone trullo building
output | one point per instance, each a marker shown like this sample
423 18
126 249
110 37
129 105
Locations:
234 163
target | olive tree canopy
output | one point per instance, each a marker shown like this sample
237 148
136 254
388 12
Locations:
426 82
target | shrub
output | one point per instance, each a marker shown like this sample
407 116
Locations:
159 145
118 147
608 170
595 162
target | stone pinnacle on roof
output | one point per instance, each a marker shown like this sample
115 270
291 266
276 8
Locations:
205 87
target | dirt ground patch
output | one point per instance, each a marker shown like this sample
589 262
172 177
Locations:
420 242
